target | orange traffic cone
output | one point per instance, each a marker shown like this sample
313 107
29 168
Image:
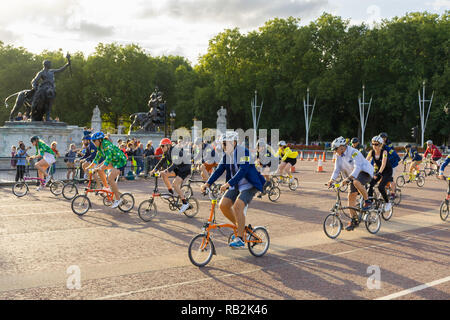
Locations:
319 166
301 156
315 156
324 156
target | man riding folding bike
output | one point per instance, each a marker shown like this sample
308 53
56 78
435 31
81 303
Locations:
176 167
48 158
416 159
359 172
436 155
242 181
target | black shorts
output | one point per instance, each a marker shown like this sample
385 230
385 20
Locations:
364 178
436 159
183 174
292 161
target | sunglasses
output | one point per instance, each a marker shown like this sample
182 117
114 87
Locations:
375 144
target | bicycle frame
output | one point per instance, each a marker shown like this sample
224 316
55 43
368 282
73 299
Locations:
338 205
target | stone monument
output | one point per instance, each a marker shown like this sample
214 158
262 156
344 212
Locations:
96 120
221 121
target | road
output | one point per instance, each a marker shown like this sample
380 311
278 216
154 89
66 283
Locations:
118 256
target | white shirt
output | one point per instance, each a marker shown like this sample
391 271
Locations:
351 163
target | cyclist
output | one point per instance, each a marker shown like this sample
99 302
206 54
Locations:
242 181
208 161
263 162
442 168
172 159
115 160
436 155
48 158
355 144
89 156
359 172
415 157
288 159
382 168
393 158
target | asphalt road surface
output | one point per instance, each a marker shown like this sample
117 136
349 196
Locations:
45 249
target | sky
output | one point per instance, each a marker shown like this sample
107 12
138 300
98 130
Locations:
171 27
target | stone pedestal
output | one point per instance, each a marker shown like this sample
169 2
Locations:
14 131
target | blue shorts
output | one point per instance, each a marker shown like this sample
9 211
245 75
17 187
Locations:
245 196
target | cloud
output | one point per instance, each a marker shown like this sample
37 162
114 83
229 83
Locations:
438 4
8 36
248 13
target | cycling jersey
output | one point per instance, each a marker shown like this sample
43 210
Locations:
90 152
43 148
172 159
442 168
435 153
413 155
112 155
351 163
286 153
393 157
377 163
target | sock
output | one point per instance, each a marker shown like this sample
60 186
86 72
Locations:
184 201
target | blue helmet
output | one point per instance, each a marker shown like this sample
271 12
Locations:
98 135
86 137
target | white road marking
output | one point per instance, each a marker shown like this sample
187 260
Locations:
415 289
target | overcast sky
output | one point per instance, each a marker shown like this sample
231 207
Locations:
180 27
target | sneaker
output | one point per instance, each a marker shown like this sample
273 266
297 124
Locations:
39 188
47 179
352 225
367 205
387 206
116 203
392 196
237 243
184 207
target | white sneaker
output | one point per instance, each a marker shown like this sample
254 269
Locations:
39 188
387 206
184 207
47 179
116 203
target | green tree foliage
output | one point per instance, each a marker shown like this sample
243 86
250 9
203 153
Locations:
280 60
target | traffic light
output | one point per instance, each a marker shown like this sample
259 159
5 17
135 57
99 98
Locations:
415 132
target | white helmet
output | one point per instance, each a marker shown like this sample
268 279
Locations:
229 136
378 139
282 143
429 142
337 143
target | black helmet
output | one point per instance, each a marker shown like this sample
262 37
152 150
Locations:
355 140
408 146
383 135
35 138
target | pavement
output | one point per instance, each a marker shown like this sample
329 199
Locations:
48 252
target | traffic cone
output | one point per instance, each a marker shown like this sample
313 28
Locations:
315 156
319 166
301 156
324 156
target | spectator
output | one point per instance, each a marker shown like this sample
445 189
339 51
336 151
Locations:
69 159
57 155
19 117
57 119
130 151
21 162
13 155
123 147
149 157
139 155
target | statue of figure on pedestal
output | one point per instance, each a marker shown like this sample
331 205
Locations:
222 120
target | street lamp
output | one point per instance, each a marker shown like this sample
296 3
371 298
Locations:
172 116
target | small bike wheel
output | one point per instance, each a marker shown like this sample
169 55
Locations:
106 201
20 189
69 191
373 222
258 241
444 210
294 184
400 181
147 210
80 204
193 208
56 187
187 191
332 226
201 250
420 180
127 202
274 193
398 197
387 214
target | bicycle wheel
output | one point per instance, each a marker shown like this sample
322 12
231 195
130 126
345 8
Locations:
127 202
400 181
373 221
106 201
201 250
20 189
420 180
187 191
193 208
398 197
275 181
274 194
258 242
147 210
56 187
387 214
80 204
332 226
444 210
69 191
294 184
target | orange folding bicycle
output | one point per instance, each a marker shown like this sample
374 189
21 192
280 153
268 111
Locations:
201 248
